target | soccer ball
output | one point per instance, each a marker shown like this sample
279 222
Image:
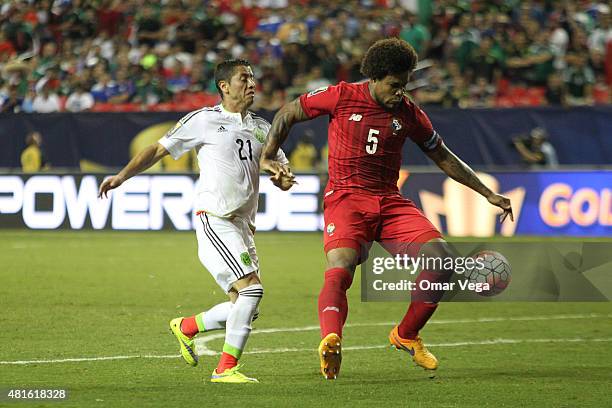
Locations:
496 272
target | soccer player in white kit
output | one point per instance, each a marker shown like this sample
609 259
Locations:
228 140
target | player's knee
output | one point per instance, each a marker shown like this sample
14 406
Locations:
436 247
233 295
247 280
439 251
344 264
344 258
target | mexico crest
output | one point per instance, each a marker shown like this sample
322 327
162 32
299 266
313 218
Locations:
245 258
259 134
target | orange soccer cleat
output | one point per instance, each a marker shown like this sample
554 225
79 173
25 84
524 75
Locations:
420 355
330 353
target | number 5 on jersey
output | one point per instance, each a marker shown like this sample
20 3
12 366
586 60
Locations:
372 143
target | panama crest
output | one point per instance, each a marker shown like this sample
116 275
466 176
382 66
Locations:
331 227
245 258
396 125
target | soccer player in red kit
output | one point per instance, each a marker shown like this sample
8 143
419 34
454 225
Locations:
368 125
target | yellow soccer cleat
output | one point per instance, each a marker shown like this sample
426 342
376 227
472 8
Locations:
187 345
330 353
231 376
420 355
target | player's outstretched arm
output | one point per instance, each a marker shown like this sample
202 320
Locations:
459 171
142 161
284 119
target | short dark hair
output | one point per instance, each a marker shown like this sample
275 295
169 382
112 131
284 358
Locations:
390 56
225 70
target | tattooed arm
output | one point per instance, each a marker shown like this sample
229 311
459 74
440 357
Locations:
284 119
459 171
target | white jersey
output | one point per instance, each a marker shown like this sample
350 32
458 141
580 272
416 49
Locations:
228 149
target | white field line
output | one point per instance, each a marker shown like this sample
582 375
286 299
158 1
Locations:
313 350
202 349
456 344
496 319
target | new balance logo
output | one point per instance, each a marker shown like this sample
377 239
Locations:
331 309
355 117
221 129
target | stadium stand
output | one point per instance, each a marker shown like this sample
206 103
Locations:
131 55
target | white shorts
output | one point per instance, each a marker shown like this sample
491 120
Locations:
226 248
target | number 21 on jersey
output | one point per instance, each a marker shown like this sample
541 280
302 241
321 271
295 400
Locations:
372 143
242 150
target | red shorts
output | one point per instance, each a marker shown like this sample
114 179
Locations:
355 220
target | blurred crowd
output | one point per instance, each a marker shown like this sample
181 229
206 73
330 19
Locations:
78 55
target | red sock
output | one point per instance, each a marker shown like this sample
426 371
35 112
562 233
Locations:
423 305
415 318
333 306
226 361
189 327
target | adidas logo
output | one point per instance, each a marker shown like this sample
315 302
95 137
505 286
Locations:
221 129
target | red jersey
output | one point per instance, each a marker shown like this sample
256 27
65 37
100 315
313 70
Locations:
365 140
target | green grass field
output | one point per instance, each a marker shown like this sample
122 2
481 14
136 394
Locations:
88 295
